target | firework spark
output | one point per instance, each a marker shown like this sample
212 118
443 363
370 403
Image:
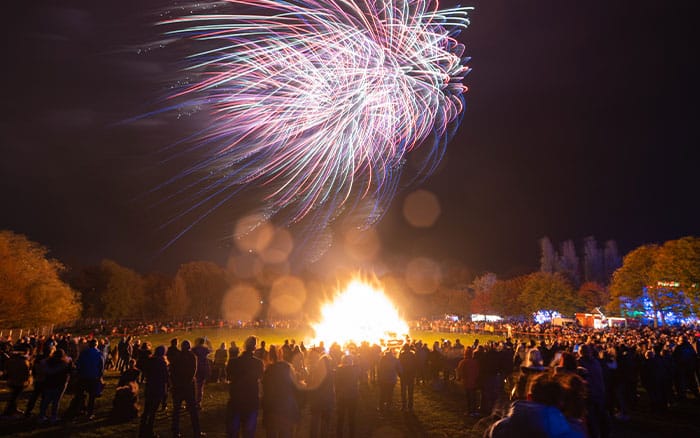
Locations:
317 103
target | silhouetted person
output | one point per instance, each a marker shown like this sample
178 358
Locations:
156 375
201 351
245 373
347 394
409 368
281 413
182 375
90 366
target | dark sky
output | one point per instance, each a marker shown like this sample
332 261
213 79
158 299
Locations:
581 120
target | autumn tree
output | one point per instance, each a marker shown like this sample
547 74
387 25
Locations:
482 287
632 280
31 290
677 267
156 287
204 285
123 297
91 282
505 294
592 295
548 292
177 302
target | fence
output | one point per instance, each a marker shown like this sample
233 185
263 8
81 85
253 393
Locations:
16 333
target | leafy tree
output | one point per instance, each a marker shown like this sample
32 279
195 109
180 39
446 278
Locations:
552 292
677 265
123 296
505 296
611 260
568 263
548 259
177 302
91 282
592 295
633 278
156 286
593 265
482 287
31 290
205 284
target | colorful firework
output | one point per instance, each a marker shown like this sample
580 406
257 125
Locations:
317 103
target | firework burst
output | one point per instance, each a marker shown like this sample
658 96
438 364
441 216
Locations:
317 103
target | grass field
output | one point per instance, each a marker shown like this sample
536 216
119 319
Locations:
438 410
277 336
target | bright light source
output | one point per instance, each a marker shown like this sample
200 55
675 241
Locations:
359 313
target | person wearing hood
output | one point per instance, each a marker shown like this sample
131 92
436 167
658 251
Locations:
537 416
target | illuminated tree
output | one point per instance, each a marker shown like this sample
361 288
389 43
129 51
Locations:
505 296
677 267
177 302
592 295
156 286
31 292
482 287
549 292
123 297
205 284
638 279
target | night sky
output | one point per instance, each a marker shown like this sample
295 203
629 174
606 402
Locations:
581 120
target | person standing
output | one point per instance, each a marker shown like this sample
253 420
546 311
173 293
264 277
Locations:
409 367
57 368
202 351
245 373
467 373
321 396
90 366
281 412
156 375
17 371
347 394
388 373
220 359
182 375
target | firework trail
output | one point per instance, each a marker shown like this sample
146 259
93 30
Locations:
317 103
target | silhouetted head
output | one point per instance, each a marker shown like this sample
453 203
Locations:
186 346
250 343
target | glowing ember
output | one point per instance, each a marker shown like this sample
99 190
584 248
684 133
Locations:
360 313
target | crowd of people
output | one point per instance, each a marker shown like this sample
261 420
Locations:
568 381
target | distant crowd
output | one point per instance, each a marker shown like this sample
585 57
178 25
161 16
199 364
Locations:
564 382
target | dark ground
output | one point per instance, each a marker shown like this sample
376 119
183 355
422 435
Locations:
437 413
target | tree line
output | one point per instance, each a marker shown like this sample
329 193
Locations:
36 290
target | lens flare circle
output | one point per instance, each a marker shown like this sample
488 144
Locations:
359 313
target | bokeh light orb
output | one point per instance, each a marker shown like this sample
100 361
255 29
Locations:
287 295
423 275
421 209
241 303
278 248
253 233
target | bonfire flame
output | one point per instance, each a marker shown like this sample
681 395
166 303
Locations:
359 313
